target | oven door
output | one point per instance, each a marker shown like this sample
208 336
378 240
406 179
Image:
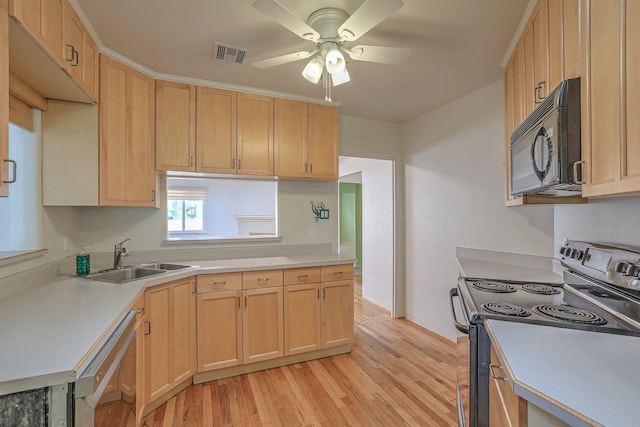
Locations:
463 350
105 393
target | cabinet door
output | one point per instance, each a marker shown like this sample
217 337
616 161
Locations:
81 52
4 97
262 322
175 126
301 318
255 134
519 80
43 20
555 39
601 108
631 146
539 25
571 38
169 348
323 141
505 407
127 173
216 130
290 138
219 325
337 313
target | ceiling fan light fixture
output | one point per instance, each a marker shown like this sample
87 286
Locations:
334 60
340 77
313 70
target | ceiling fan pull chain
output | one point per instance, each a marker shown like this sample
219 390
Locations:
327 85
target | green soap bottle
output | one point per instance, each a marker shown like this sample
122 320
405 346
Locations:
83 263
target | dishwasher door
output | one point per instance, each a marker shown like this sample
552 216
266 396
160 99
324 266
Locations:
105 393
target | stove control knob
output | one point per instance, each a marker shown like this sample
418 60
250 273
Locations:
576 254
621 267
564 250
632 270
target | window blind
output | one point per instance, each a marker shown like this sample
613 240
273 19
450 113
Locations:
187 193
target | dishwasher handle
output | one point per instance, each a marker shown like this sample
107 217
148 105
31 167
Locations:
459 326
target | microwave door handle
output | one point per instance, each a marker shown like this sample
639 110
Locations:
459 326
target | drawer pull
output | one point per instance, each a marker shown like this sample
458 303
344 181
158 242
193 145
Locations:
238 303
224 282
140 310
263 279
245 302
493 373
303 277
148 328
337 274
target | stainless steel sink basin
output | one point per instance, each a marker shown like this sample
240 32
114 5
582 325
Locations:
126 274
164 266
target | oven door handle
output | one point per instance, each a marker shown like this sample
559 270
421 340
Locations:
459 326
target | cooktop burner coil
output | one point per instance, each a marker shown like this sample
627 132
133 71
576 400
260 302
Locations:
506 309
495 287
536 288
569 314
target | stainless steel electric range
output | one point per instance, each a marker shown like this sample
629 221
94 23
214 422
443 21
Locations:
600 293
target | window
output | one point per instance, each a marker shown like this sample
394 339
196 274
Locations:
221 208
185 209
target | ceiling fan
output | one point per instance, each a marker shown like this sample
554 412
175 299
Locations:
330 28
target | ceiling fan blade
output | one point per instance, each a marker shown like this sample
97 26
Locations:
368 15
282 59
381 54
283 16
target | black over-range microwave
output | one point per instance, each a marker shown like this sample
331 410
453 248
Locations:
545 149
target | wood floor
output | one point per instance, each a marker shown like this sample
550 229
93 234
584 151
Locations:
398 374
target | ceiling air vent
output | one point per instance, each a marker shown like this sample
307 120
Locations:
228 53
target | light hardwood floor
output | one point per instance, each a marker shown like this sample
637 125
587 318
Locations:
397 374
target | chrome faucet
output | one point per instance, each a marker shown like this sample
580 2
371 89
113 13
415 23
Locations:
119 252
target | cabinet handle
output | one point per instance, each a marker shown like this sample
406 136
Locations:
260 279
15 171
538 98
190 160
70 49
337 274
575 172
239 164
318 293
76 58
233 163
493 374
324 294
305 168
140 310
310 168
238 303
194 287
303 277
224 282
153 195
148 328
245 302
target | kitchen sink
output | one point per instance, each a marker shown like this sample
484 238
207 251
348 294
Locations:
126 274
164 266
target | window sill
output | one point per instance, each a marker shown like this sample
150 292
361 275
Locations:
13 257
190 240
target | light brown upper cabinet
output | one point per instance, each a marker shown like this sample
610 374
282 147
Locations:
215 130
81 52
4 98
306 140
53 38
127 143
175 126
536 54
611 97
255 135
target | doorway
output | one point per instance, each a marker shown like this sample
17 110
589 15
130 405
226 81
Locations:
368 224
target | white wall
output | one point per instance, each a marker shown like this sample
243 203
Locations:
377 226
376 139
454 175
611 220
24 223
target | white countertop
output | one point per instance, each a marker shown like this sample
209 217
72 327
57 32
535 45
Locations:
579 376
508 266
50 331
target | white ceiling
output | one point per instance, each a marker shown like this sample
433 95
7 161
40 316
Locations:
457 45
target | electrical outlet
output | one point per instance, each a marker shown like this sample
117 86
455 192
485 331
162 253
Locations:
313 234
66 243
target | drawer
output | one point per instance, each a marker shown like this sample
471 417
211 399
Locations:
330 273
261 279
218 282
300 276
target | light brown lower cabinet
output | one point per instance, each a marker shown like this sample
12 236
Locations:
301 318
169 339
262 324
